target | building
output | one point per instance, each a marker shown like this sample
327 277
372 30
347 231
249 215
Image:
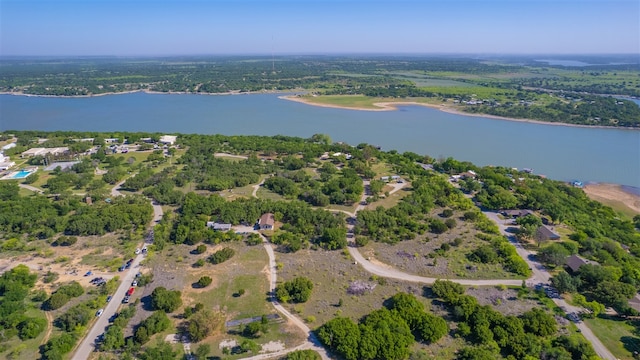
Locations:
44 151
6 165
218 226
545 233
574 262
9 146
168 139
111 140
266 221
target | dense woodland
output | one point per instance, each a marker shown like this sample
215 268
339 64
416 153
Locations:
510 86
193 185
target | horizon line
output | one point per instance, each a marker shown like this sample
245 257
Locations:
267 54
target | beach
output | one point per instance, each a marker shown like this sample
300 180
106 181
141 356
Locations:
615 196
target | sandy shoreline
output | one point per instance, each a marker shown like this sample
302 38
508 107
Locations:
393 105
613 193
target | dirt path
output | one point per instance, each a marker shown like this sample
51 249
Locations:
47 314
32 188
230 155
255 189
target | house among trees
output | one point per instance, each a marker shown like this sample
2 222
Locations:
218 226
544 233
574 262
266 221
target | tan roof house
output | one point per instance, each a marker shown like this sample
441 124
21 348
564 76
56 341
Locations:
266 221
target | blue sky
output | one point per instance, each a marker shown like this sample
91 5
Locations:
185 27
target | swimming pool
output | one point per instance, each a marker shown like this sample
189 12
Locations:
20 174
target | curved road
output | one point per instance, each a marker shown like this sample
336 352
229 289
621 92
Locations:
83 351
539 275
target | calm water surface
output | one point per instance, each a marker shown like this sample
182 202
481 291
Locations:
559 152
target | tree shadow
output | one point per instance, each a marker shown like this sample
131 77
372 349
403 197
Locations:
632 344
145 301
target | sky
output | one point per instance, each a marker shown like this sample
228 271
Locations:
222 27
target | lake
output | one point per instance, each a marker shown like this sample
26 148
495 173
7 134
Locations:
559 152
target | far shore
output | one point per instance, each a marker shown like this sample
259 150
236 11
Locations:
393 105
146 91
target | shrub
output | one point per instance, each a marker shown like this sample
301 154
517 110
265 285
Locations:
447 213
204 281
451 223
201 249
221 256
297 290
199 263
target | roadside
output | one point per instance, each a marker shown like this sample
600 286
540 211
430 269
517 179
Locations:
87 345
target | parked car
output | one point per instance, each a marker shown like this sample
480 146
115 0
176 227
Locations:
109 298
134 283
99 312
121 268
88 273
137 251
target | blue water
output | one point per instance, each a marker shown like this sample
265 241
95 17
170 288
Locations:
559 152
21 174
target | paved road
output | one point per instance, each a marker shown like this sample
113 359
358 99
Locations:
540 275
88 343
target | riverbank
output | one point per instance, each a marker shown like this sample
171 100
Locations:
393 105
620 198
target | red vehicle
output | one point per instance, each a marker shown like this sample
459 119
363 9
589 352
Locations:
131 290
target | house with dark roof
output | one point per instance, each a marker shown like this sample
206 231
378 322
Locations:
574 262
218 226
266 222
545 233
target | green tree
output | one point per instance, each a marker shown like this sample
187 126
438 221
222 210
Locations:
565 283
166 300
384 335
297 290
113 339
202 351
538 322
162 351
342 336
201 325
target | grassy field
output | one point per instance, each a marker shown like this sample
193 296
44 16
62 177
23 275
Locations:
413 256
360 101
247 270
331 273
618 336
391 200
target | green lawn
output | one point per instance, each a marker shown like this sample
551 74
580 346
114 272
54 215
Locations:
617 335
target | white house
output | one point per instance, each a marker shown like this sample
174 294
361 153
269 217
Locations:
168 139
9 146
